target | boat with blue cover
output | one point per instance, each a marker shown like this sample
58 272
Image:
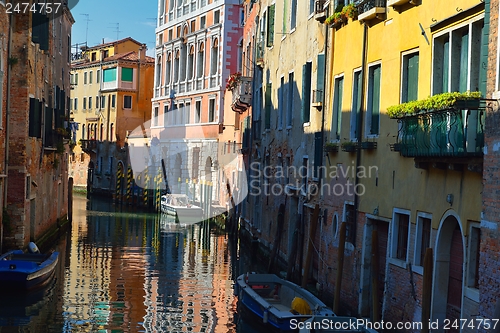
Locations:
275 303
21 270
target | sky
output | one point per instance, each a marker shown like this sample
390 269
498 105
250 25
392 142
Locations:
136 19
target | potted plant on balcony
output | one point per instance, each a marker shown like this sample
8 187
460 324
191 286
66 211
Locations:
369 145
350 11
331 147
349 146
232 81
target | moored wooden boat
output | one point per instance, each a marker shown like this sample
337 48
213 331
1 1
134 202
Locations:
20 270
276 303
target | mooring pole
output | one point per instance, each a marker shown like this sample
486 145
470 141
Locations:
427 289
340 268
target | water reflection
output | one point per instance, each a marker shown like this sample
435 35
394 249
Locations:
126 271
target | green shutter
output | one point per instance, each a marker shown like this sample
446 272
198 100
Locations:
446 65
268 105
306 92
127 74
374 99
337 106
109 75
270 25
483 55
320 78
412 78
285 15
464 61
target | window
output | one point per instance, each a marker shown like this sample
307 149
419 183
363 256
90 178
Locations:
83 132
285 16
290 97
90 103
350 223
127 74
196 163
70 101
409 84
109 75
214 57
311 7
474 252
337 107
35 119
422 237
93 56
76 79
268 106
293 14
97 102
40 29
111 132
356 104
197 116
211 111
91 73
190 64
188 113
85 103
127 102
203 22
217 17
373 102
154 121
270 25
306 92
103 102
400 229
113 101
457 59
98 76
281 103
76 103
85 77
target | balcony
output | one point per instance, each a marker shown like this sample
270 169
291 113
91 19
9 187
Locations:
317 99
396 3
319 10
446 139
89 146
371 9
242 94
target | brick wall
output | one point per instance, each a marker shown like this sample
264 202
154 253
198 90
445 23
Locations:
489 279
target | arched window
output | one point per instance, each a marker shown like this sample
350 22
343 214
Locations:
158 71
200 61
168 69
176 66
190 63
214 57
83 132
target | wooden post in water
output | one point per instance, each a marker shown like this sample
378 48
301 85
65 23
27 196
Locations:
277 238
427 289
375 275
70 201
312 232
340 268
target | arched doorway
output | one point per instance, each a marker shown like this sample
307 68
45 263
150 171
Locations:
448 271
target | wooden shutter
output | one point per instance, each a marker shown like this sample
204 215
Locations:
268 105
337 106
270 25
318 152
374 99
306 92
320 78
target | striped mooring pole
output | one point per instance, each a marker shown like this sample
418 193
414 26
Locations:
129 184
119 177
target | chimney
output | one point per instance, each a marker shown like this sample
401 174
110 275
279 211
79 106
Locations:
142 52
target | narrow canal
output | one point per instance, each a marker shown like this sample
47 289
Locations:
126 271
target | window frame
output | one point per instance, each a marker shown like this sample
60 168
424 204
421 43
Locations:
125 97
404 73
369 111
393 259
418 263
337 108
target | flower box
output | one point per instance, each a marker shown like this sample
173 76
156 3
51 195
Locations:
331 148
349 146
369 145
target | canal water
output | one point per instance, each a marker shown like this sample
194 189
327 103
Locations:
125 271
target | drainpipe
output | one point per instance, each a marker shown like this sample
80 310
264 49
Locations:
360 121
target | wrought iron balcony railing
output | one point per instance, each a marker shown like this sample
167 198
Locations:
369 9
242 94
89 145
444 133
319 10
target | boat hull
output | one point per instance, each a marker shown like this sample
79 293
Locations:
26 271
272 315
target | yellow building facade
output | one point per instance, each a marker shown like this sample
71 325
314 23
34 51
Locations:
112 87
415 189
